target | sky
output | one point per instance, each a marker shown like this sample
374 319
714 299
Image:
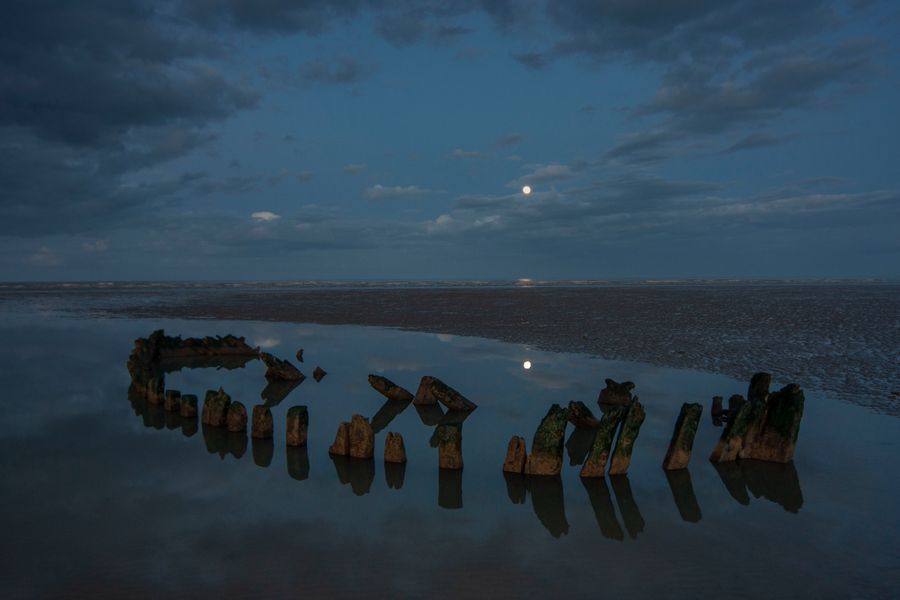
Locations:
277 139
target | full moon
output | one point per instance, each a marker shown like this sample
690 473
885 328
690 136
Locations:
526 189
526 364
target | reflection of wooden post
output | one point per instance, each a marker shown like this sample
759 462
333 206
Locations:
515 487
601 502
679 453
631 514
683 493
450 488
628 433
263 451
548 503
298 462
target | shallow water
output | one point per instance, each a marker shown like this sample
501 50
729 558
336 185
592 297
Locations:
105 497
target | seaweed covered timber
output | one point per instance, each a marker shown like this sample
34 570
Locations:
158 353
762 428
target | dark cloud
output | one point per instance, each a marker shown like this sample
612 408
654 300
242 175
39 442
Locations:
93 91
699 30
270 16
755 141
532 60
512 139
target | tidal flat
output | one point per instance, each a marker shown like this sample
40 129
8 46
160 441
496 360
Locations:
106 495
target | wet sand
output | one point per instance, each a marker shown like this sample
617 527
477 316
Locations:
836 338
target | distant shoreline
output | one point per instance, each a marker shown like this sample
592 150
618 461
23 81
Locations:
843 339
442 283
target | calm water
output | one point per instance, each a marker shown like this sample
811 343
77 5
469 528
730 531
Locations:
103 497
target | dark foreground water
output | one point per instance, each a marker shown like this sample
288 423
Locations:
103 496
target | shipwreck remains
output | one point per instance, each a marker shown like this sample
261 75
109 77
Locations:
679 454
765 426
432 390
547 448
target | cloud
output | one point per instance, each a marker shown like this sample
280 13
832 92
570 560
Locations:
755 141
461 154
380 192
95 246
545 174
532 60
354 168
512 139
265 216
44 257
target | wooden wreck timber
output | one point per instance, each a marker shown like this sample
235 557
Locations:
188 407
615 393
341 445
449 445
628 433
145 363
432 390
263 426
598 456
389 389
679 453
394 449
215 408
547 447
581 416
763 427
362 438
516 455
297 426
236 419
280 370
172 402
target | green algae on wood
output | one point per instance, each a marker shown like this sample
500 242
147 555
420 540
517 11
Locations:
595 465
732 438
682 443
628 433
776 437
549 440
449 444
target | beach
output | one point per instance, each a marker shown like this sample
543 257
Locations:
842 338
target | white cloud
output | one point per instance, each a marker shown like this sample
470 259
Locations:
459 153
397 192
265 216
96 246
44 257
354 168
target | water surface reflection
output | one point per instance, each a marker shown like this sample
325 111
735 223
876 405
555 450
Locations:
401 525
